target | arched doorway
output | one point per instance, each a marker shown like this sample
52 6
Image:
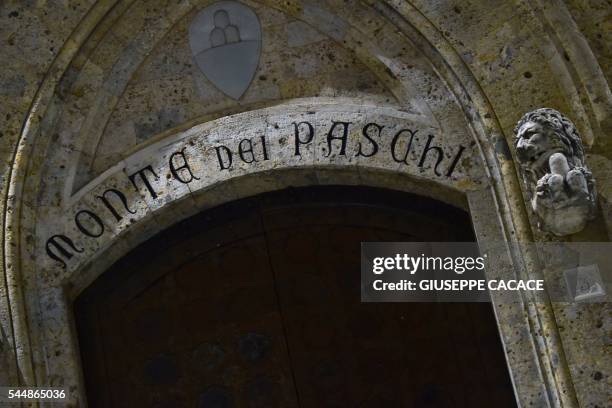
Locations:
256 303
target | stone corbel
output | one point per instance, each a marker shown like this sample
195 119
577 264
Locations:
560 187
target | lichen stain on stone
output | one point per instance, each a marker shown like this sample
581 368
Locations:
501 147
291 7
467 163
465 184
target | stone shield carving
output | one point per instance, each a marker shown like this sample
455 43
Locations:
551 158
225 40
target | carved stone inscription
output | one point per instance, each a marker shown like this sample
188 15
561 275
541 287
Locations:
338 141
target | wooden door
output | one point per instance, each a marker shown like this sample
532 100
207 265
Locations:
257 304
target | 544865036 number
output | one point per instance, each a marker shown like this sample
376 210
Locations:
31 393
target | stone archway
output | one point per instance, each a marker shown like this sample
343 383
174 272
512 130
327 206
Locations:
291 145
99 127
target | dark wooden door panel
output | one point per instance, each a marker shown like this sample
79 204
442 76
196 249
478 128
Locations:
257 304
189 319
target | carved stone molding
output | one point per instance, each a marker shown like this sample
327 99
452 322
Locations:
560 187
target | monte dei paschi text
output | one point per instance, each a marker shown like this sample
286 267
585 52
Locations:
404 145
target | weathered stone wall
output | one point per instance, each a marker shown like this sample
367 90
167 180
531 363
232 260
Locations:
593 20
84 85
168 89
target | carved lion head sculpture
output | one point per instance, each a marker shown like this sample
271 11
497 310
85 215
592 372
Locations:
542 133
560 186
